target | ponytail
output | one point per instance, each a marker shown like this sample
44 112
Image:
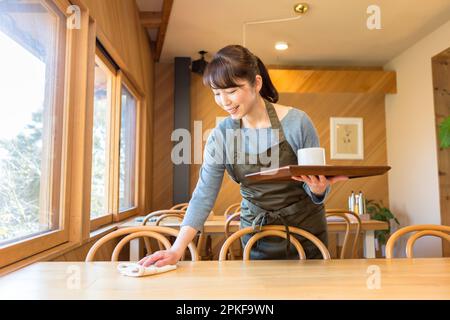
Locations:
268 90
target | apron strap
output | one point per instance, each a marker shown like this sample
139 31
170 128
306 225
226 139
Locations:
274 123
261 219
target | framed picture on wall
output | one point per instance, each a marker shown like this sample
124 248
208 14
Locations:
347 140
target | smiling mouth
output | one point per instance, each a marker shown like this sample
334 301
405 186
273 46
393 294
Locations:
233 110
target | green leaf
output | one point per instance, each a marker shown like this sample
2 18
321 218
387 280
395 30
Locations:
444 133
379 217
379 212
388 214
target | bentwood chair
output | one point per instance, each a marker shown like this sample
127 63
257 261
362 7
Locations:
347 216
158 221
181 206
234 216
153 216
273 230
157 232
235 207
158 216
421 230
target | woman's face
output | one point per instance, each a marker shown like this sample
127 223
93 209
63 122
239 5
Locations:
238 101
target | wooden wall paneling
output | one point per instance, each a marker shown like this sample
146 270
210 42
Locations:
147 122
132 29
119 30
334 81
103 254
370 107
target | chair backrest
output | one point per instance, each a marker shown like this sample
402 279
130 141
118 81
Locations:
422 230
343 213
249 230
156 232
168 215
234 216
235 207
160 213
181 206
157 223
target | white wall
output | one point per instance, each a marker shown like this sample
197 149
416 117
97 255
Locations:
411 140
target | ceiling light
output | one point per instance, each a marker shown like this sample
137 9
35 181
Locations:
281 45
301 8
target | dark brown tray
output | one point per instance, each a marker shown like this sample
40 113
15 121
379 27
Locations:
285 173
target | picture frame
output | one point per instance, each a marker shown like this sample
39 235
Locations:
346 138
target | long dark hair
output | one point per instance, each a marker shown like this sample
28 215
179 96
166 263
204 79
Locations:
233 63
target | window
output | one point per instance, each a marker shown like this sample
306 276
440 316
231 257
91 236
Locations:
69 146
127 151
103 90
114 144
32 63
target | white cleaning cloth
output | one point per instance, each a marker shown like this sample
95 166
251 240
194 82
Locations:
131 269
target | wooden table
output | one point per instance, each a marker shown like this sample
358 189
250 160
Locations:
310 279
216 225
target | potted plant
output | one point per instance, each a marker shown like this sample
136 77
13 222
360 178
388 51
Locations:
378 211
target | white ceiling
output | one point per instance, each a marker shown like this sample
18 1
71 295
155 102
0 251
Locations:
331 33
150 5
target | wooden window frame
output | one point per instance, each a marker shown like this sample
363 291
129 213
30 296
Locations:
74 58
122 79
109 217
76 159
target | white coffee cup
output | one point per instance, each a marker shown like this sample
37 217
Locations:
311 157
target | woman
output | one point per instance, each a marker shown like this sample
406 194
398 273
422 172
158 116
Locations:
242 87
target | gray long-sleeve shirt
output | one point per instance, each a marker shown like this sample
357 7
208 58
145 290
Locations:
299 132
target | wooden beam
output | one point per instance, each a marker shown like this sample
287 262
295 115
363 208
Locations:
334 81
326 67
150 19
166 9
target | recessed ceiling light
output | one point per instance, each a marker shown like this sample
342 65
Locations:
281 45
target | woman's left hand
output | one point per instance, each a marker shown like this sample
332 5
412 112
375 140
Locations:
318 184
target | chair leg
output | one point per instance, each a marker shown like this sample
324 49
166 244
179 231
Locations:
200 244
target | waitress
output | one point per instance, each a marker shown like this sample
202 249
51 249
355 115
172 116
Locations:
242 87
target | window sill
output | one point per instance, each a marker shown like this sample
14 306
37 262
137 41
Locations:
63 248
43 256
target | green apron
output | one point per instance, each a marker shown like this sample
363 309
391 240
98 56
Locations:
277 203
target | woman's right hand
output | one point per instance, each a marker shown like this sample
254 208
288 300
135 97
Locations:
160 258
